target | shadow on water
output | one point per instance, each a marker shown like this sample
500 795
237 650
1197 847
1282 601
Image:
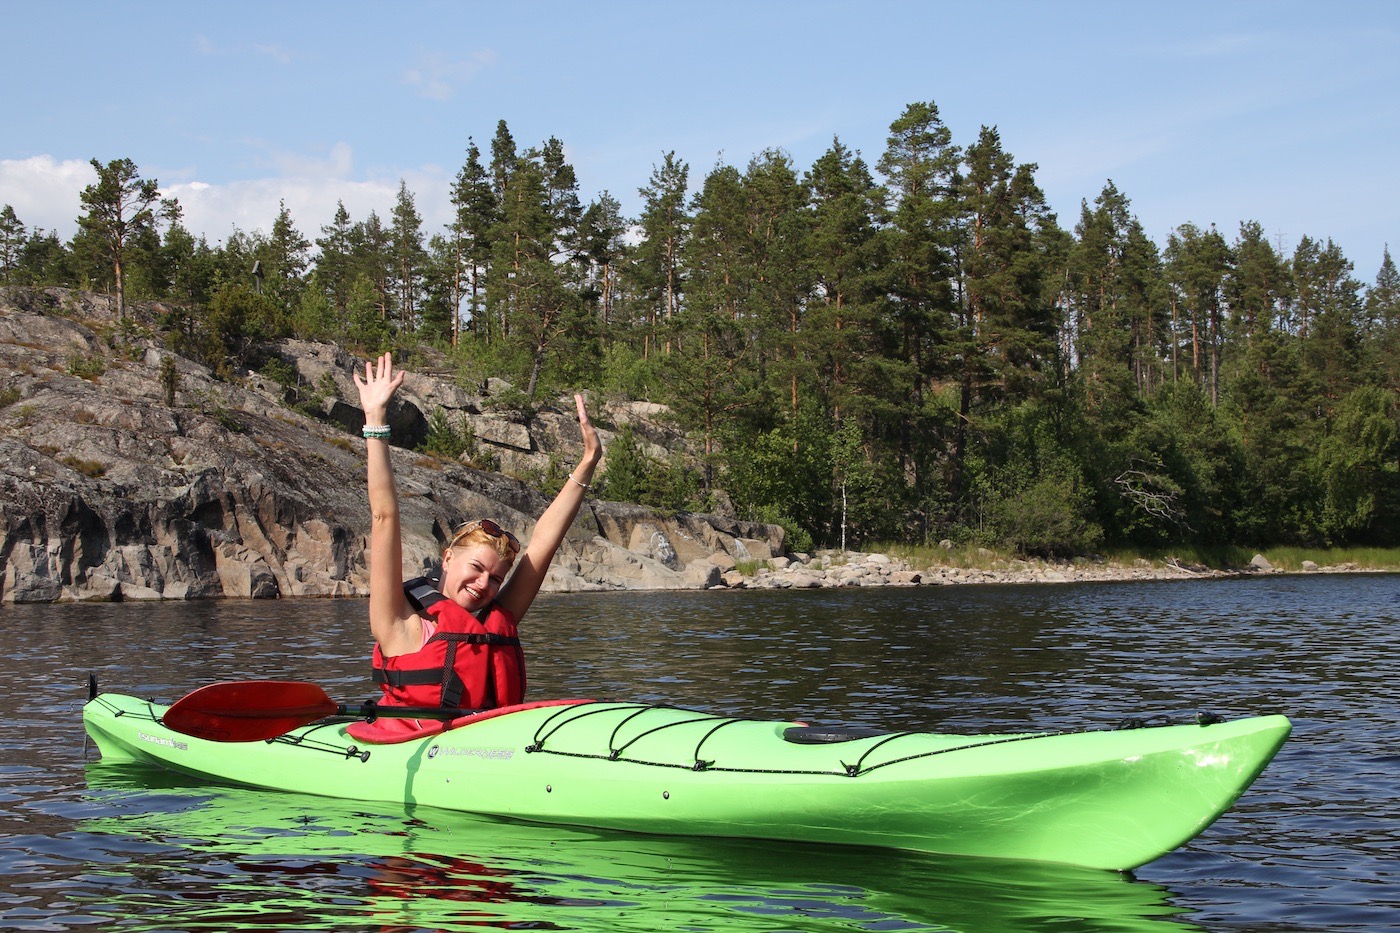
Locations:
181 857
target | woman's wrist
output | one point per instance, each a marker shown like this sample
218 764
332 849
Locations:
582 473
376 427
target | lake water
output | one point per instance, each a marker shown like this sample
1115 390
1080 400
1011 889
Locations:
1312 846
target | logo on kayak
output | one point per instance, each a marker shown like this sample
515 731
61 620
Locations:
492 754
161 740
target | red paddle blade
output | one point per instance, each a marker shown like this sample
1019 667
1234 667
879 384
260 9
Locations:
248 710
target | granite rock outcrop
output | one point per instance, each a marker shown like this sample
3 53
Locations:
130 472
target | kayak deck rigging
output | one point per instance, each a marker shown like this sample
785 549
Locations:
616 751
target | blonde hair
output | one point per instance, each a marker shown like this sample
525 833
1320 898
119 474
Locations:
475 533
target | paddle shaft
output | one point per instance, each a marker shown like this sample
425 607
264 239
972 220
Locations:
372 711
246 711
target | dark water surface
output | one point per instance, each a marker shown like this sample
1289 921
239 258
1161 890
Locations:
1312 846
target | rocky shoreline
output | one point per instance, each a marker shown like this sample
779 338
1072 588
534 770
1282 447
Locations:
128 472
840 569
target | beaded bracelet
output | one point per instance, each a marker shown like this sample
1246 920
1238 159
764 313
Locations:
378 432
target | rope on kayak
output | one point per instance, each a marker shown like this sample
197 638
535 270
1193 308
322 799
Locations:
573 714
857 768
117 711
700 763
304 740
581 711
1151 722
615 751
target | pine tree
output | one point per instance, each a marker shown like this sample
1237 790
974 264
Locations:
921 165
476 213
530 300
12 237
845 211
777 228
503 159
1006 336
561 197
334 274
710 377
1199 264
1115 270
1257 288
45 260
410 258
602 239
118 209
189 266
284 258
373 256
1328 306
1118 326
655 270
1383 324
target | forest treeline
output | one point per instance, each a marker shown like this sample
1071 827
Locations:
907 352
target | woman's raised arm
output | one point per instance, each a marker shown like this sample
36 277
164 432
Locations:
394 627
524 584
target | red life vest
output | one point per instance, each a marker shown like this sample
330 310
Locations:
468 663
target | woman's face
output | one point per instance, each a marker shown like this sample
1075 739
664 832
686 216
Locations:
472 574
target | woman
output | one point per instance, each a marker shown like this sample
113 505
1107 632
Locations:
456 644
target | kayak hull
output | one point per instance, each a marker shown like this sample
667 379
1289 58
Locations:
1101 799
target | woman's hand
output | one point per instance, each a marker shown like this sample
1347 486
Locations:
377 388
592 447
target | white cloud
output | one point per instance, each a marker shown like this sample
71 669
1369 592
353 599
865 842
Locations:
278 53
214 210
46 193
437 77
338 163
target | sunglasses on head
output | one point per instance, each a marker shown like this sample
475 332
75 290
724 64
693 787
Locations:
492 529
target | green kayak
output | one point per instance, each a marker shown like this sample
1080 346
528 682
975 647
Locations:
1111 799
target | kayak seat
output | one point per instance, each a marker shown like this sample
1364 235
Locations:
820 735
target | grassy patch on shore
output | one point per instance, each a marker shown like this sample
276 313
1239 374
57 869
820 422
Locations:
1364 558
1289 559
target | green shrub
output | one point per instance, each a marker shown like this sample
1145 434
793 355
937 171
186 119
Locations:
1043 517
86 367
451 442
169 378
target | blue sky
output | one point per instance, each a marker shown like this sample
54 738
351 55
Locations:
1285 113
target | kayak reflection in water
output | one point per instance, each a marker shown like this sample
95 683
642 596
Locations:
466 625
